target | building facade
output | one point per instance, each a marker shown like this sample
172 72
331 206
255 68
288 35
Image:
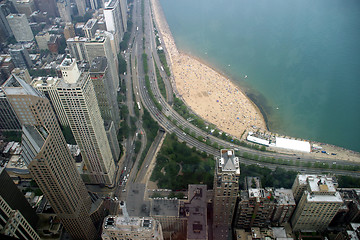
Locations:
5 30
20 57
8 118
52 166
64 9
226 188
47 85
13 224
106 93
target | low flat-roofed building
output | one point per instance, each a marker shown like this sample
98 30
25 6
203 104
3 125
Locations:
284 205
292 144
167 212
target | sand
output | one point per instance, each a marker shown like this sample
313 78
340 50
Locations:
209 94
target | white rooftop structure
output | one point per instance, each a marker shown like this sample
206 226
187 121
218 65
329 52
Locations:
291 144
258 140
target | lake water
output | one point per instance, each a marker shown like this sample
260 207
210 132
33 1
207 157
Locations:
302 58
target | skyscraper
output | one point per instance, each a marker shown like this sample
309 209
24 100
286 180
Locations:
78 99
115 19
49 160
64 9
101 46
318 204
47 85
226 188
20 27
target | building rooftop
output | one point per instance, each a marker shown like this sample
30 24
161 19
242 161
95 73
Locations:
164 207
228 162
321 184
44 82
336 198
90 23
132 224
110 4
98 64
284 196
196 211
16 86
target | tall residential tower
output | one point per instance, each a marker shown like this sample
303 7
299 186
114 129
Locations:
78 99
50 163
226 188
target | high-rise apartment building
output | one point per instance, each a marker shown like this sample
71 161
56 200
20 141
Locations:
351 198
255 206
226 188
20 57
78 99
318 204
77 49
81 7
114 20
125 227
101 46
64 9
42 39
90 28
20 27
49 160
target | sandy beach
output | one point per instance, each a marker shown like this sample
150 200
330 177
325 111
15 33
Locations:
218 100
208 93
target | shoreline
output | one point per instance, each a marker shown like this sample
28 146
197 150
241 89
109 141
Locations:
208 92
182 79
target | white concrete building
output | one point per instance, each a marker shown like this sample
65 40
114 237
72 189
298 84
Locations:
318 204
